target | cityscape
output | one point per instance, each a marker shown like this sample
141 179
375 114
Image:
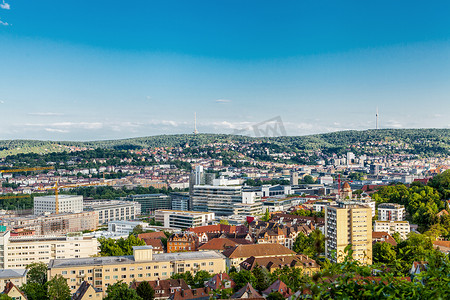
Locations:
224 150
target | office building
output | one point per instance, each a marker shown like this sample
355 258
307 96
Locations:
151 202
18 252
218 199
180 201
348 224
391 227
142 265
183 219
124 227
391 212
66 203
113 210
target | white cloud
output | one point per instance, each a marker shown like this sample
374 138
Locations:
4 23
1 101
56 130
222 101
149 97
52 114
4 5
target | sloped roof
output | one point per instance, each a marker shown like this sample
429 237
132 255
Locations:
246 291
278 286
257 250
152 235
218 244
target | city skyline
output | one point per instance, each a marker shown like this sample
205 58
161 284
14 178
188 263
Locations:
108 70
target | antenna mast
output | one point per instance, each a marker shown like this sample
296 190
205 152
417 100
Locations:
376 115
195 123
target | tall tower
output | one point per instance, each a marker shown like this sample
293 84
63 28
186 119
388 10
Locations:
195 123
376 116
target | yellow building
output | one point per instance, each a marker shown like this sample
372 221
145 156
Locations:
142 265
346 224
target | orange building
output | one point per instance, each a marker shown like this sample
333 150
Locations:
181 242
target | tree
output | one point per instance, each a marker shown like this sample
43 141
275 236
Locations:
243 277
275 296
266 216
37 272
224 222
200 278
186 276
137 230
111 247
145 291
120 291
308 179
35 291
262 278
383 253
58 288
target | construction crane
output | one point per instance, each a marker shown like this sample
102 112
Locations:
56 187
26 169
14 197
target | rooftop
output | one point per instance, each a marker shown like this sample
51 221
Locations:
129 259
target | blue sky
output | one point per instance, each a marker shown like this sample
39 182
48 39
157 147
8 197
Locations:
87 70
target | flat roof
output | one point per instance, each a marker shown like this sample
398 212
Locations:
129 259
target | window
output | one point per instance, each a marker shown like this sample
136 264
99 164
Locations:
116 270
140 275
115 277
211 263
156 274
106 277
64 272
124 269
124 276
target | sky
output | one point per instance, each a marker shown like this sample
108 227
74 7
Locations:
94 70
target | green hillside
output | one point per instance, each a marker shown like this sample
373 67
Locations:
418 141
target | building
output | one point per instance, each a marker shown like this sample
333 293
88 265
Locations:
13 292
51 224
151 202
391 212
124 227
164 288
142 265
114 210
86 291
178 242
66 203
180 201
18 252
294 178
348 224
238 254
16 276
217 199
391 227
183 219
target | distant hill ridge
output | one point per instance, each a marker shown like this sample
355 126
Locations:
428 137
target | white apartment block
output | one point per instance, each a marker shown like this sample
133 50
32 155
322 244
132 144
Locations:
183 219
18 252
391 227
66 203
114 210
217 199
391 212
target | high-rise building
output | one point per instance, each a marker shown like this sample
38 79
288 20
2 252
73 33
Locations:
294 178
348 224
66 203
